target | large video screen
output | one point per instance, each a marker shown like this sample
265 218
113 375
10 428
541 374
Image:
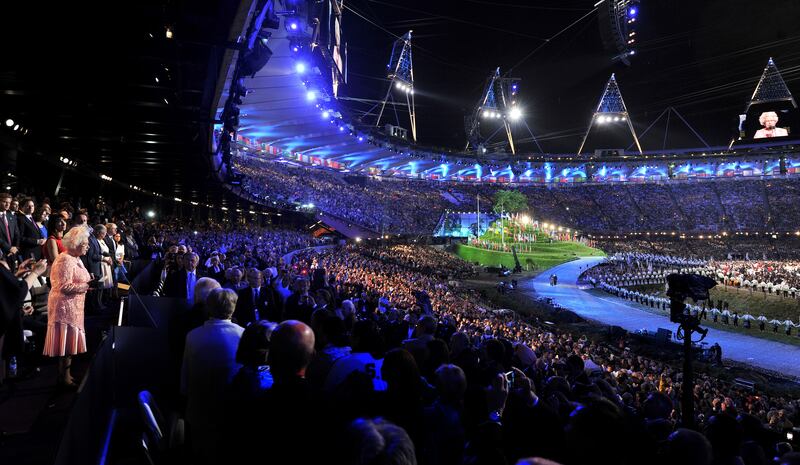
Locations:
767 121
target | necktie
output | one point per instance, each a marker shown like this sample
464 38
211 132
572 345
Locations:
190 286
255 304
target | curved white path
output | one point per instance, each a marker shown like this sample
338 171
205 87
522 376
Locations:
771 355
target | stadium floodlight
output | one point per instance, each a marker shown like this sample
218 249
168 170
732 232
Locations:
151 214
9 122
515 114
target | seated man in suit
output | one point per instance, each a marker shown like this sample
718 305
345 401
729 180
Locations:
255 301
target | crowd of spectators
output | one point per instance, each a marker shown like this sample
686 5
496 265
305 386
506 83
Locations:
378 355
384 206
380 341
415 206
731 247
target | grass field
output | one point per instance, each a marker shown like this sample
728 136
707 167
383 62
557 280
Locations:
544 255
744 302
741 301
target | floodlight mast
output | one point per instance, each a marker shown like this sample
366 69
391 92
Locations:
611 106
401 76
494 103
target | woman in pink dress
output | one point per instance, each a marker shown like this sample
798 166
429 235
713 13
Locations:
70 281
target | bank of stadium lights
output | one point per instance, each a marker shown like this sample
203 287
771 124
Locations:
602 119
403 87
68 161
106 177
514 114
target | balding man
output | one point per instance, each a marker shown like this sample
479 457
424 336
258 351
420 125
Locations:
288 415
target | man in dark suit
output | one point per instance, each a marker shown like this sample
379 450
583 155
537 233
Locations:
9 234
30 236
93 263
256 301
180 284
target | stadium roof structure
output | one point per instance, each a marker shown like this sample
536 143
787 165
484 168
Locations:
291 109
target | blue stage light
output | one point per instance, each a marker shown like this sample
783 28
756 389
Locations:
295 49
311 95
300 68
293 26
326 114
632 12
361 139
341 128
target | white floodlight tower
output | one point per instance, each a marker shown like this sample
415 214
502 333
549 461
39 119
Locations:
401 79
498 102
611 109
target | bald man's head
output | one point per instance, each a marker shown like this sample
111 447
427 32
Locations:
292 348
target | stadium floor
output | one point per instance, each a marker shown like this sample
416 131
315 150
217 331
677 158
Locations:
770 355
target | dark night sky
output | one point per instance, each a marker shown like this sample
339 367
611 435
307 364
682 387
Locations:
702 57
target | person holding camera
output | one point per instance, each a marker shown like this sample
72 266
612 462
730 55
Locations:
70 281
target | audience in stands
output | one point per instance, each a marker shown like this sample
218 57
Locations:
377 354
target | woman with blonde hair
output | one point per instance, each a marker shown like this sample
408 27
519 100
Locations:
66 335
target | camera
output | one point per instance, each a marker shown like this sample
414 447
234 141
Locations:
682 286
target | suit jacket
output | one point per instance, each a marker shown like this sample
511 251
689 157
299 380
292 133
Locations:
175 283
245 312
29 234
13 228
93 257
